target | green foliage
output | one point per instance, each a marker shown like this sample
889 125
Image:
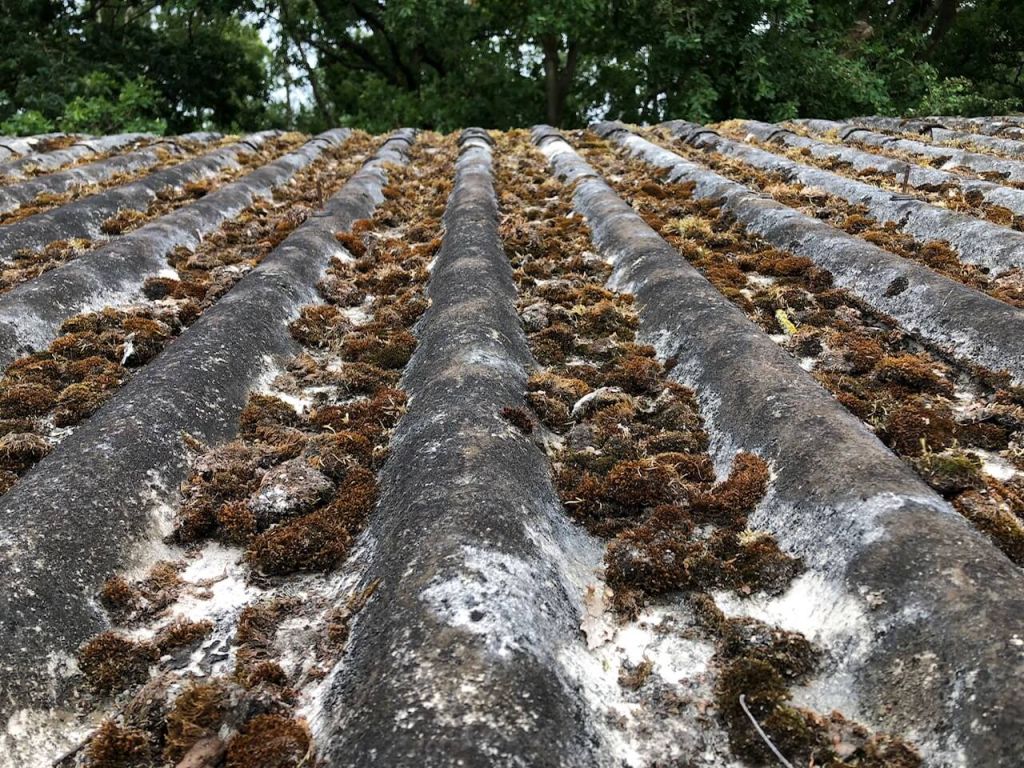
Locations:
25 123
106 106
106 65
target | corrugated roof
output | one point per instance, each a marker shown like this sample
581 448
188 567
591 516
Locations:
630 446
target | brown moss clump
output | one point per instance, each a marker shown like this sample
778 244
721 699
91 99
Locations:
638 484
317 541
518 418
266 410
182 634
113 663
269 741
654 557
79 401
20 450
116 746
913 428
122 221
319 326
120 597
733 499
197 714
912 372
992 513
28 399
353 243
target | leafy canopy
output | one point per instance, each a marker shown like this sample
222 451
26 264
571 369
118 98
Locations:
106 65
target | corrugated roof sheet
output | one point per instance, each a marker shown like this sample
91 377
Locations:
641 446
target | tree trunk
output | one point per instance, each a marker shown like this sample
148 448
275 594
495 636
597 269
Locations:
558 78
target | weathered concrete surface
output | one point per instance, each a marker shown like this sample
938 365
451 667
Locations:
454 660
56 549
940 651
956 320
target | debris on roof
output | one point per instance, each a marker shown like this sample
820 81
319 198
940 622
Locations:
634 446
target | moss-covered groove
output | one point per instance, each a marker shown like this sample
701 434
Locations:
975 242
31 312
958 321
60 547
42 193
855 219
868 529
85 218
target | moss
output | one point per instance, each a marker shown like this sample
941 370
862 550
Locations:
693 467
636 375
759 565
182 634
269 741
638 484
79 401
319 326
913 428
763 689
862 352
518 418
263 674
156 288
82 344
7 480
113 663
18 400
20 450
341 291
353 243
263 410
116 746
319 540
120 597
789 653
674 441
551 412
950 473
122 221
280 442
730 501
994 517
384 347
196 714
912 372
606 319
653 557
566 389
552 344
